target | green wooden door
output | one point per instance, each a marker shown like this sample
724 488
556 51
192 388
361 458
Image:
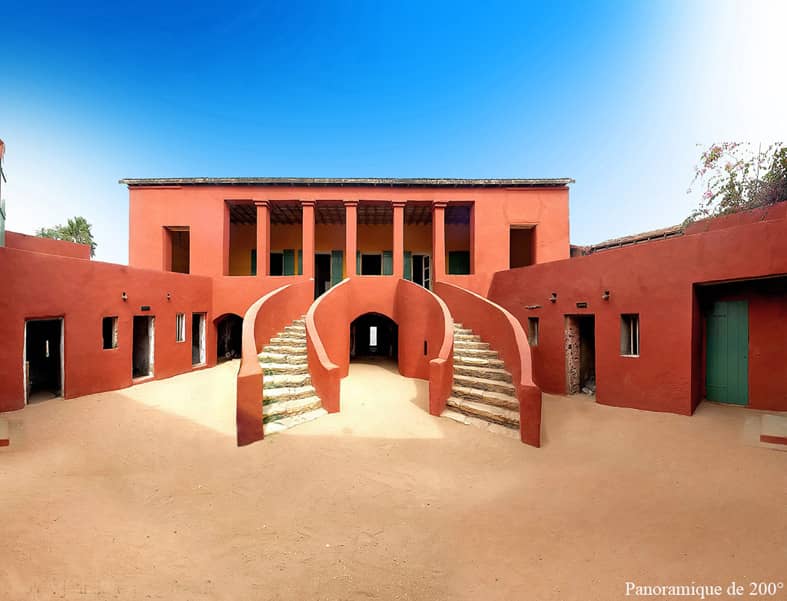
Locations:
387 262
459 262
337 266
288 261
408 265
727 354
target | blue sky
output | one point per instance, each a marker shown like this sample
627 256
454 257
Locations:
614 94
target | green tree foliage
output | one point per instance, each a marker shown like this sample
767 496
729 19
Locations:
735 177
76 230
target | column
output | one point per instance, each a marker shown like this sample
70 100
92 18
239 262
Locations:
438 240
351 236
308 237
398 238
263 236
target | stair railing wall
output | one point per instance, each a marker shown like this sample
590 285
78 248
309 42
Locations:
506 335
264 319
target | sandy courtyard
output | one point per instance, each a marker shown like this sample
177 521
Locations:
142 494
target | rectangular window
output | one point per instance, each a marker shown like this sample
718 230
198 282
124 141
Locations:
109 332
532 331
180 322
629 334
373 336
179 247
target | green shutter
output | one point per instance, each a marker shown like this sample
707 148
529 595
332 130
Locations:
387 262
337 265
300 262
357 263
289 261
408 265
459 262
253 261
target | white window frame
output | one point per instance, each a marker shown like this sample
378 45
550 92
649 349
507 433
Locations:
180 326
629 335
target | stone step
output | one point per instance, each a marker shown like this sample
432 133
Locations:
284 349
498 399
285 423
471 344
486 362
459 326
471 420
484 384
274 411
288 340
296 330
463 332
279 357
475 352
489 413
286 380
490 373
469 337
274 395
274 369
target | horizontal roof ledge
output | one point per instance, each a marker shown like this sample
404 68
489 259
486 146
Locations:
360 181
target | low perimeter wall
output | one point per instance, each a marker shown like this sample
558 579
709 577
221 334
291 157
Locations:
492 322
264 319
425 334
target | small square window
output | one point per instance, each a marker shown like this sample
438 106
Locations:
629 334
180 322
532 331
109 332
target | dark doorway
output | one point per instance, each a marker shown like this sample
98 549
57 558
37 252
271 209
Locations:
322 273
371 264
520 252
374 335
422 270
43 359
198 339
580 345
229 330
142 350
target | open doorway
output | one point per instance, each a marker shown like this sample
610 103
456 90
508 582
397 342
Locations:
229 336
580 346
143 345
373 335
422 270
198 339
43 359
322 273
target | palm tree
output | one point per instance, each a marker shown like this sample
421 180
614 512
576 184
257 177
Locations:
76 230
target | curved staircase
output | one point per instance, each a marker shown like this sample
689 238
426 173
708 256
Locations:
483 392
288 397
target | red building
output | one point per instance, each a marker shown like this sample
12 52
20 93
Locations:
447 277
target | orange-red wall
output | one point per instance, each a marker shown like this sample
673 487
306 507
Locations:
47 246
83 292
656 280
203 210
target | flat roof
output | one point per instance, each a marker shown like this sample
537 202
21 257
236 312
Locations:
349 181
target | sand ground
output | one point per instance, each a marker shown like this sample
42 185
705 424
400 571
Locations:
142 494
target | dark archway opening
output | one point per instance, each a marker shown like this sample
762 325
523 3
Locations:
373 335
229 336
